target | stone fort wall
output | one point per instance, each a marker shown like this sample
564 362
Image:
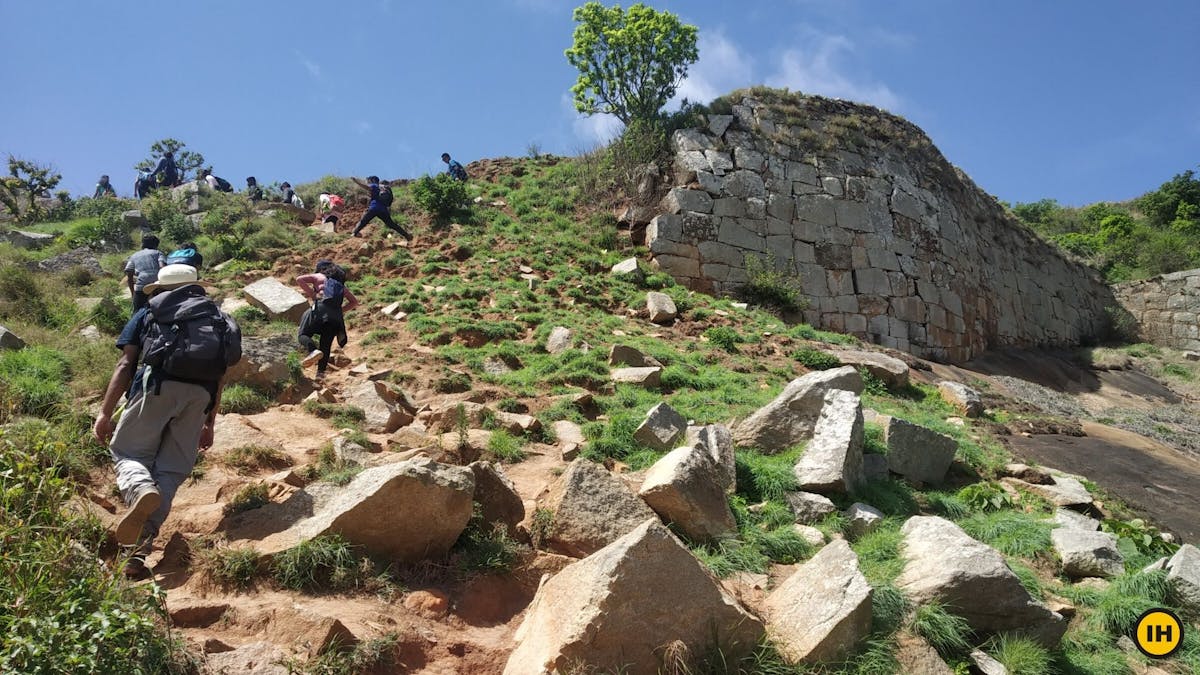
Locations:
888 241
1166 308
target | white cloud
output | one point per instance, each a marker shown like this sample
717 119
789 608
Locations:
821 70
591 129
313 68
721 68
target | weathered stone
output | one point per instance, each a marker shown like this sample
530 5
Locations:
690 140
517 424
686 488
679 200
823 611
277 300
862 519
944 564
917 453
661 428
832 462
788 419
1074 520
1183 574
497 496
1087 554
9 339
628 269
559 340
384 414
646 377
809 507
264 362
623 355
890 369
717 124
915 656
254 658
591 509
875 467
964 399
197 613
661 307
134 218
570 438
717 441
1064 491
27 240
616 608
986 664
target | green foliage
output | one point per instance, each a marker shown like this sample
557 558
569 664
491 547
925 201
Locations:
815 359
226 565
892 497
1145 537
26 180
186 161
440 196
985 496
505 447
251 458
32 381
326 563
1010 532
329 468
944 631
243 399
724 337
1021 654
879 553
166 215
630 61
486 547
888 608
60 611
21 296
253 496
342 416
762 477
101 223
770 287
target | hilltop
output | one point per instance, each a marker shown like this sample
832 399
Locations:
491 337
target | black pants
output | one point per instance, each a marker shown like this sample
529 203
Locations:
139 300
383 214
328 330
325 345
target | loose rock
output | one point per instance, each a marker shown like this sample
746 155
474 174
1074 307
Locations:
661 428
891 370
559 340
687 488
833 460
277 300
964 399
862 519
661 307
1183 573
591 509
1087 554
788 420
809 507
917 453
647 377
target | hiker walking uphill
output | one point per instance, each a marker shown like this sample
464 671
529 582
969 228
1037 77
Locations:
326 287
142 269
381 203
184 344
216 183
104 189
253 191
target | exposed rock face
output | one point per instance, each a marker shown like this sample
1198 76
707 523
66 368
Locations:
497 496
624 355
890 242
277 300
687 488
717 440
592 508
661 307
823 610
809 507
384 413
408 511
618 607
264 361
9 339
917 453
661 428
649 377
1062 491
944 564
1067 518
788 420
862 519
1165 308
1183 573
891 370
559 340
257 658
964 399
833 460
1087 554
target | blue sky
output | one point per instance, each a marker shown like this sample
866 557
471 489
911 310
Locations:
1071 100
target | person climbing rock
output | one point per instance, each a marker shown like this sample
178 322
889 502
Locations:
215 182
456 170
290 196
104 189
144 184
142 268
166 171
326 288
184 344
380 207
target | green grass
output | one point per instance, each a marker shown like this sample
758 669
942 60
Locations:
343 416
326 563
1010 532
228 566
892 497
329 468
1021 655
762 477
252 496
505 447
815 359
879 553
243 399
945 632
32 381
486 547
252 458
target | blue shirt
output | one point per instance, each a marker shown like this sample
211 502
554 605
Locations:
374 188
456 170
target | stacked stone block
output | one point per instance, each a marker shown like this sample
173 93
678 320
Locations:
1166 308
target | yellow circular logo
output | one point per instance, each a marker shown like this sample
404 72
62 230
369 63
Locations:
1158 633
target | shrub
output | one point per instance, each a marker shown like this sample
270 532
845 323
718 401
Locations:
985 496
770 287
486 547
724 337
110 316
815 359
243 399
21 296
324 563
506 447
439 195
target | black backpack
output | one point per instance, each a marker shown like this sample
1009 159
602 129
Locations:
188 338
385 195
223 185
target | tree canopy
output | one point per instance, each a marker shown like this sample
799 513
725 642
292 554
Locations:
630 62
29 180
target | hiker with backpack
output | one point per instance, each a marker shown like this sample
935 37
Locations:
144 185
380 206
142 269
290 196
104 189
217 183
166 171
184 344
253 191
456 170
326 288
331 206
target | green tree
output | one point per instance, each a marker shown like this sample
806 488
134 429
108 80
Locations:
28 180
185 160
630 62
1162 206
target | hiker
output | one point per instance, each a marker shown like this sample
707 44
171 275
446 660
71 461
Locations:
104 189
142 269
186 254
184 345
332 204
381 202
326 287
217 183
166 171
290 196
144 184
456 170
253 191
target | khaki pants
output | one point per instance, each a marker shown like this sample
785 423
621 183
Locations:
155 445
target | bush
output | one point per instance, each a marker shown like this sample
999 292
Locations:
253 496
506 447
439 195
724 337
770 287
166 215
486 547
815 359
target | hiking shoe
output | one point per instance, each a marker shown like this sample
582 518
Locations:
135 569
312 358
129 528
320 376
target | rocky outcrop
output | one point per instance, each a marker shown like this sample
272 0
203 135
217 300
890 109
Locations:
1165 308
1087 554
497 496
1183 574
619 607
384 409
917 453
264 362
591 508
944 564
10 340
278 301
890 370
687 488
821 612
717 441
788 419
962 398
809 507
661 428
833 461
888 241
